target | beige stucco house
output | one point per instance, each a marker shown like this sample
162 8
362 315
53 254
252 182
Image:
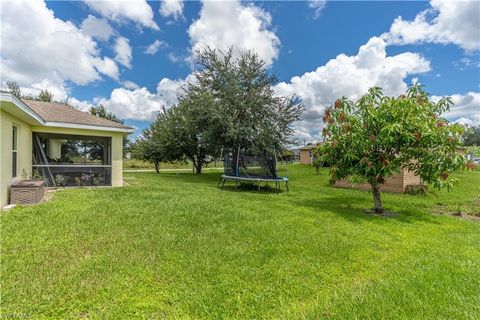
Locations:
60 144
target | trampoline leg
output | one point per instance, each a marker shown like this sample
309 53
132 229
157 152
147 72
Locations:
258 185
286 184
236 185
223 183
219 183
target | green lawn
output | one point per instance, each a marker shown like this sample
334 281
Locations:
174 246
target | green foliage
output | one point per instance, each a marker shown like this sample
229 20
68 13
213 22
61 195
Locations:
231 103
252 115
45 95
377 136
416 189
157 143
102 112
61 180
471 137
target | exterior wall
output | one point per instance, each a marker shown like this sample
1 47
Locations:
305 157
117 147
395 183
410 178
24 152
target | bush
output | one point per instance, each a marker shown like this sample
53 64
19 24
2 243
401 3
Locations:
416 189
61 180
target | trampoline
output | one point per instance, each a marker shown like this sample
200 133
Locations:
255 168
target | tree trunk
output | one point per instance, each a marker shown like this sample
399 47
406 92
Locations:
157 166
377 199
198 167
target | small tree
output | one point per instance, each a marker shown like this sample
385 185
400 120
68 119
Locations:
377 136
157 143
45 95
14 89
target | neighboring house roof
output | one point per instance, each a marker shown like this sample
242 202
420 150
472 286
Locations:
310 147
56 112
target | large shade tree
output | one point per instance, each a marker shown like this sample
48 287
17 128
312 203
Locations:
195 127
251 114
376 136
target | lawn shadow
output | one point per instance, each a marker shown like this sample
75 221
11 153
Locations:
355 209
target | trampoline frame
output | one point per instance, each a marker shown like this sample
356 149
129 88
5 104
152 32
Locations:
255 180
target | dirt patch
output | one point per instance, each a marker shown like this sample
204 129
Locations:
48 196
445 210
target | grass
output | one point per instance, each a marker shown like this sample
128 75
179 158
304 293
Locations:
175 246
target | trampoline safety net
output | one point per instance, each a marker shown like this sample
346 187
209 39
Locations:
244 164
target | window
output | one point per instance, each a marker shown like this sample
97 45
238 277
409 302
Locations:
14 151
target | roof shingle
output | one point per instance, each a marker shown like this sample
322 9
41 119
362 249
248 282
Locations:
56 112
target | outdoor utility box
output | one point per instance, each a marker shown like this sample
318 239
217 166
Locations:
27 192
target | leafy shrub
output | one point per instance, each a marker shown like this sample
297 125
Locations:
416 189
61 180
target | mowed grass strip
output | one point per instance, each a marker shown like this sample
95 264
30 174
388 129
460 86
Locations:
175 246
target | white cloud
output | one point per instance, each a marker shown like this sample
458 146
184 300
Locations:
38 49
137 11
123 51
171 8
317 6
107 66
81 105
140 103
230 23
446 22
153 48
59 91
97 28
127 84
350 76
466 106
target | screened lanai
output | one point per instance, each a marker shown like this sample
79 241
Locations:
72 160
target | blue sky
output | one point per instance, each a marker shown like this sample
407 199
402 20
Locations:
296 38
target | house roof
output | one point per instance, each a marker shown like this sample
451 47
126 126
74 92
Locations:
56 112
310 146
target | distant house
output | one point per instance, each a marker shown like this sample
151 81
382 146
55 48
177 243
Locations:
57 143
306 154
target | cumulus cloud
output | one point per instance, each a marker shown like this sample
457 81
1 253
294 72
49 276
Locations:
153 48
97 28
466 108
107 66
140 103
38 49
136 11
350 76
171 8
447 21
317 6
230 23
123 51
130 85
